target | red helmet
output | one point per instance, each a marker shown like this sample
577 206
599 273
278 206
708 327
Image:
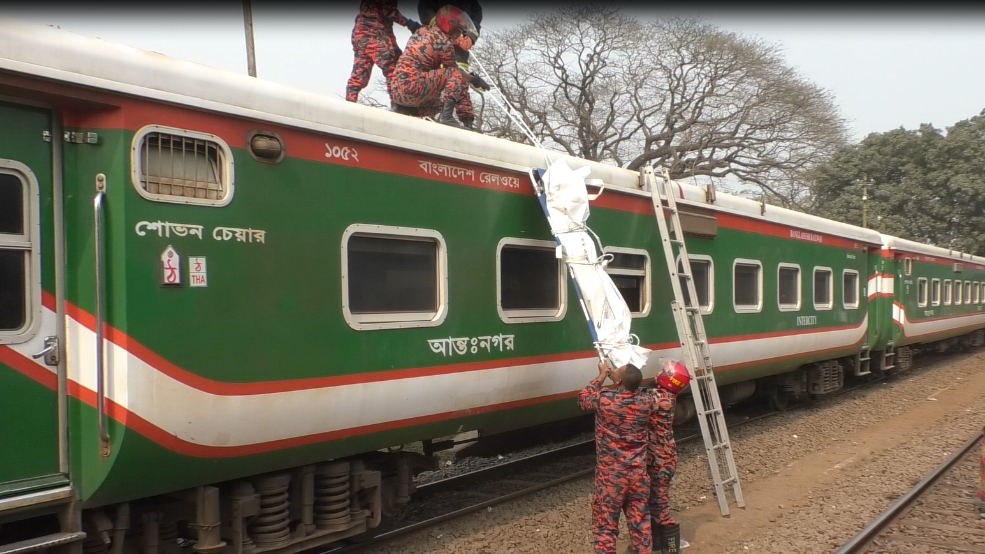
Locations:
673 376
449 18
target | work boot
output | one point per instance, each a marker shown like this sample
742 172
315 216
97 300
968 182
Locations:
447 115
671 541
404 110
657 532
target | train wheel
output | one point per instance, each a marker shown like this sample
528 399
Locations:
779 399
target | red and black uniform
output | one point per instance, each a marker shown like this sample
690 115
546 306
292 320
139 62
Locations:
373 43
661 456
622 435
426 75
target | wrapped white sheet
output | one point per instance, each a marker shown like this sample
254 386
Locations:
567 210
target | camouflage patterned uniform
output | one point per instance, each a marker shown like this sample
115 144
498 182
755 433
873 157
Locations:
621 437
420 81
426 10
661 456
373 43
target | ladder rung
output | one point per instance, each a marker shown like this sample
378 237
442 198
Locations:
722 445
692 309
728 481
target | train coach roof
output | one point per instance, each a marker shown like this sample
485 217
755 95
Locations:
91 62
903 245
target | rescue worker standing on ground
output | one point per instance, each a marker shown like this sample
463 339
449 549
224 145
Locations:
373 43
662 456
622 436
426 10
427 77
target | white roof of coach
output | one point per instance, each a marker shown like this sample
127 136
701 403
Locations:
65 56
903 245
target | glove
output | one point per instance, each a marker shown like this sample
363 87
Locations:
464 42
479 83
413 26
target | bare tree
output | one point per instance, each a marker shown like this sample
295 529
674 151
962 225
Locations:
706 103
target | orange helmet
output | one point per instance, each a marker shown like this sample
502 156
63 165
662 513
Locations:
673 376
449 18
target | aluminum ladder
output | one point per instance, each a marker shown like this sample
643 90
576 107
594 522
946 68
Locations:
694 341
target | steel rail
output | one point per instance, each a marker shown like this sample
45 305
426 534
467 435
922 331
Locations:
457 480
876 527
436 486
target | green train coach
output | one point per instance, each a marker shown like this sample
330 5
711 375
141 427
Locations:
222 300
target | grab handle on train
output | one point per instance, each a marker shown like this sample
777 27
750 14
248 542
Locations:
97 206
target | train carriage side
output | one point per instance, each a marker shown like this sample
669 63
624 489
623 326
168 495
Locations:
782 295
286 279
939 297
278 291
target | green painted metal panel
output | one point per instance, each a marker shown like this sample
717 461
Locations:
28 410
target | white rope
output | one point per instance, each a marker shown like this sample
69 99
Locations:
511 111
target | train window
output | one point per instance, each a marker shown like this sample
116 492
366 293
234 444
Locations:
967 292
823 288
958 293
849 289
530 281
974 294
922 292
12 208
947 292
907 266
935 292
788 288
747 286
179 166
393 277
702 271
630 272
20 294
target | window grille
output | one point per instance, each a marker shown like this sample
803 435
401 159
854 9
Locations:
182 166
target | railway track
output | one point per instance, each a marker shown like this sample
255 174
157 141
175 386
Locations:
454 497
939 514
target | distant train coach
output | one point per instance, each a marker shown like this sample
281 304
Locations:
223 301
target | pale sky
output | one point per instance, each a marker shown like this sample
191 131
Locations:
886 70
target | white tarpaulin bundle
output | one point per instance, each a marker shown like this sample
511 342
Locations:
566 200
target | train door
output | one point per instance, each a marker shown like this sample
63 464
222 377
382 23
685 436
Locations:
33 449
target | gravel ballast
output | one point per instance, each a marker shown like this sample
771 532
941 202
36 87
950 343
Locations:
811 478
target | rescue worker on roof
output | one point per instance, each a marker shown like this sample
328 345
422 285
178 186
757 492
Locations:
373 43
427 77
662 456
426 10
622 435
